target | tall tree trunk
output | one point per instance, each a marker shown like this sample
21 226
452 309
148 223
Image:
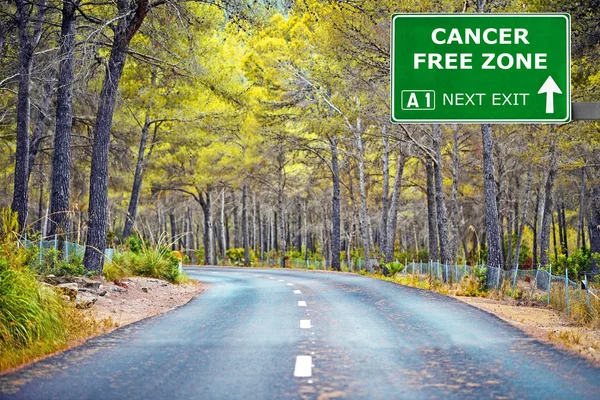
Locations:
442 218
191 243
132 14
223 229
564 242
137 181
27 42
280 206
580 224
394 208
364 224
491 209
386 194
524 211
61 158
548 207
245 237
206 204
454 222
335 205
431 212
173 230
40 124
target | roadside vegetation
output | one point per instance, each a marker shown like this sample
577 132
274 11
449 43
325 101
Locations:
36 318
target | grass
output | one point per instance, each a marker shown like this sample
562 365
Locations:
35 319
148 261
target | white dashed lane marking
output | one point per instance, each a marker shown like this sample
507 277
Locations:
301 304
303 367
290 284
297 292
305 324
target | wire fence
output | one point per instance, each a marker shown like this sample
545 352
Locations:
68 249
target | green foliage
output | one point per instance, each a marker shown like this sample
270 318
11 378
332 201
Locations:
578 263
236 256
34 319
53 263
151 261
134 243
395 268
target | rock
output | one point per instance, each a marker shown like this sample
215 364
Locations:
118 289
71 285
68 289
385 270
80 281
87 283
85 300
145 289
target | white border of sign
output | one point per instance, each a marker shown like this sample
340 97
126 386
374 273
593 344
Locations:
477 121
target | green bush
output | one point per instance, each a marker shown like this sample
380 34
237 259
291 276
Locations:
53 263
395 268
152 262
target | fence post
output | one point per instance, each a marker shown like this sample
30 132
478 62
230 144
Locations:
549 283
515 279
55 242
498 269
567 290
40 250
67 248
587 293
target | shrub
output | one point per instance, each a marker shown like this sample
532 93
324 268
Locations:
153 262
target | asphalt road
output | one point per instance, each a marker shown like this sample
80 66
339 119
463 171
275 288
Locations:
276 334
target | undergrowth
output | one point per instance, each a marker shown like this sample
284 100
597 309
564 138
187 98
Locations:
145 260
34 319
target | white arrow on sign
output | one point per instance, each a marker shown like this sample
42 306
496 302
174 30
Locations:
549 87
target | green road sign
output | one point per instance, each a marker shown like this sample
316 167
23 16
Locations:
467 68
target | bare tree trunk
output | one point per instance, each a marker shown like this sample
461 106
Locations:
132 14
442 218
206 204
394 208
564 243
280 207
491 209
137 181
173 230
245 238
40 124
364 224
335 205
548 207
431 212
523 214
191 243
223 231
61 159
454 222
27 42
580 224
386 194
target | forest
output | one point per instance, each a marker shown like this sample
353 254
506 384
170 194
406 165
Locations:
260 130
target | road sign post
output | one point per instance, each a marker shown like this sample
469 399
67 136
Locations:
475 68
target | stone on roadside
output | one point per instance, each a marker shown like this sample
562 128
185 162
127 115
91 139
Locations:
85 300
145 289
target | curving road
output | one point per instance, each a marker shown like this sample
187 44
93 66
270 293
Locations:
276 334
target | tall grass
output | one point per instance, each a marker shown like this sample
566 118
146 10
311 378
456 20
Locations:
154 261
34 319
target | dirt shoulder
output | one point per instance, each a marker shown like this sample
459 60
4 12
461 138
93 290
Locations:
544 324
140 298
